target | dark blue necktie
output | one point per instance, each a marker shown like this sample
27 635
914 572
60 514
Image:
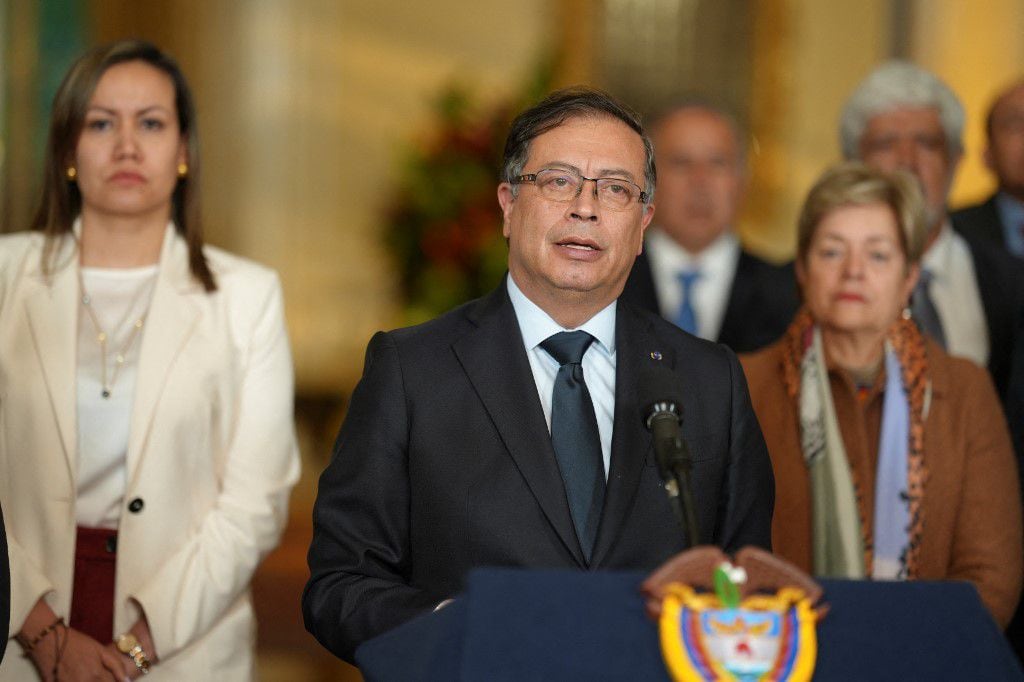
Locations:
923 308
686 318
575 437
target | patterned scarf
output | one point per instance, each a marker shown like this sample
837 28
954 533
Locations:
842 547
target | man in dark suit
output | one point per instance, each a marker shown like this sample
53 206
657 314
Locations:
477 439
999 220
970 293
694 271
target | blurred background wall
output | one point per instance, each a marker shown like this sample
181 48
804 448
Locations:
309 109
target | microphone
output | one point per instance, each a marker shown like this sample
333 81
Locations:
661 410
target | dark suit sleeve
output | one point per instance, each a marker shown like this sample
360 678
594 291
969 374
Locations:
746 505
359 558
1015 399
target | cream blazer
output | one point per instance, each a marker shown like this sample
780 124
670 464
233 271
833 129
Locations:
211 454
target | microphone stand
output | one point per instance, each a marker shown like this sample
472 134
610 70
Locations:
675 465
681 465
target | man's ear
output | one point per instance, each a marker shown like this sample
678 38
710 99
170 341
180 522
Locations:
507 200
645 222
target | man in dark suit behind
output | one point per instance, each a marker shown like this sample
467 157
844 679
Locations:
453 454
999 220
694 271
999 223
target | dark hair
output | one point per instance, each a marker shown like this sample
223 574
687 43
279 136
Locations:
1003 94
61 199
556 109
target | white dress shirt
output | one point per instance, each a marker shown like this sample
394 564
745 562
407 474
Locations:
598 362
954 291
710 293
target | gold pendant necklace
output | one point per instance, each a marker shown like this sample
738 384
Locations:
101 339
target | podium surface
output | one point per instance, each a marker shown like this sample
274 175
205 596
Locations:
560 625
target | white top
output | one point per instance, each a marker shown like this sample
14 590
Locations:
598 362
118 297
710 293
954 291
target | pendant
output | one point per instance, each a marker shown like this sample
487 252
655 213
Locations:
105 393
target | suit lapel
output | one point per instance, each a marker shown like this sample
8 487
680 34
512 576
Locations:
495 361
992 226
171 320
739 296
52 311
636 345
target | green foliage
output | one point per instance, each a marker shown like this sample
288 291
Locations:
444 224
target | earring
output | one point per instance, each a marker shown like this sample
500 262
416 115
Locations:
71 173
907 314
182 170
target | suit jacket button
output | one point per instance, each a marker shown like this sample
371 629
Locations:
136 505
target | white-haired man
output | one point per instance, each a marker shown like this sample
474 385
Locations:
970 294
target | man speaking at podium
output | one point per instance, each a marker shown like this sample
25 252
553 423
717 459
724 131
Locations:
510 431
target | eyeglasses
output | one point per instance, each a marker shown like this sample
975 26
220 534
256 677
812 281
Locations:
563 185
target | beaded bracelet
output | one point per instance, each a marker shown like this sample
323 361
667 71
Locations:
29 646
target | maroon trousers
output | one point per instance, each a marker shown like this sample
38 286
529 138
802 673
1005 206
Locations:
92 596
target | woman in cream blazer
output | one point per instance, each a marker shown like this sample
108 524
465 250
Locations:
211 453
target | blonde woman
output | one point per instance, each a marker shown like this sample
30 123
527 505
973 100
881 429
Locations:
892 459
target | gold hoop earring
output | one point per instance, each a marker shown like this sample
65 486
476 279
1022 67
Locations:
71 173
182 170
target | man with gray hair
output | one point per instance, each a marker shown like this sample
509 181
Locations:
969 294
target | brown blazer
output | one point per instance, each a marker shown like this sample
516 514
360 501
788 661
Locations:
971 507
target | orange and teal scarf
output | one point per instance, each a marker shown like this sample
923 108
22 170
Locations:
842 545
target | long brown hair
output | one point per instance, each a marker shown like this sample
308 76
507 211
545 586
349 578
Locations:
61 200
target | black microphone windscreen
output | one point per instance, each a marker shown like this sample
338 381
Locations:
658 392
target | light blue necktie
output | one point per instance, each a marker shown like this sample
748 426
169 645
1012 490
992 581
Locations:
686 318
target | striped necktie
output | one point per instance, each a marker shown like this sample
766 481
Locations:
924 311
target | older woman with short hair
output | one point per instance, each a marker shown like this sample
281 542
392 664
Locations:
892 459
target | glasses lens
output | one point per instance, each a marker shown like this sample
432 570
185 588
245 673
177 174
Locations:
616 193
558 185
564 185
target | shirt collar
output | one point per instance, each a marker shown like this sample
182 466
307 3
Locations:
675 258
937 258
1011 211
536 325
